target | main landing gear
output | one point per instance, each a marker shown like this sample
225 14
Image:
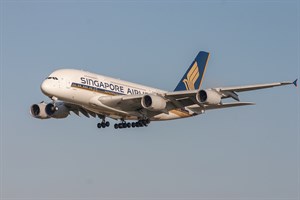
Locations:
140 123
103 124
124 124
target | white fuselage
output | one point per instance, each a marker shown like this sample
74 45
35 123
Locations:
101 96
79 87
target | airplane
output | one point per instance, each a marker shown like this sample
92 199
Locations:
105 97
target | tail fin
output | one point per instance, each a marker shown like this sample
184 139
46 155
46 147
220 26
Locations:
192 79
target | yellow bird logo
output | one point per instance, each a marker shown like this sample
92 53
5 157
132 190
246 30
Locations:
191 77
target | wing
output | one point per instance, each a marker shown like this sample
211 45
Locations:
201 109
181 99
232 91
254 87
81 110
123 106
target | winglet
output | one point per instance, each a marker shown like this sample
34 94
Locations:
295 83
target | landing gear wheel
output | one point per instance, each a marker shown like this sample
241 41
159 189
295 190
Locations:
120 125
133 124
140 124
103 125
147 121
116 126
137 124
143 122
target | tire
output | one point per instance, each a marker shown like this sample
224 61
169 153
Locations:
140 124
147 121
133 124
120 125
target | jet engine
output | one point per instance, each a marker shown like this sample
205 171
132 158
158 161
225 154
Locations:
59 110
38 111
153 102
45 111
208 97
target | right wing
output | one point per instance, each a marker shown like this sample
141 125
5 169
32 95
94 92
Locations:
181 99
130 105
227 92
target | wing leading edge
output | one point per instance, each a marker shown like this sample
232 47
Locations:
257 87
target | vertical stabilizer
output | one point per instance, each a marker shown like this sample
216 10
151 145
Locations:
193 77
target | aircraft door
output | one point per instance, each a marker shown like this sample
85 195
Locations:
71 91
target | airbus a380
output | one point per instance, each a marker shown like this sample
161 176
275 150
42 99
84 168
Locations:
97 95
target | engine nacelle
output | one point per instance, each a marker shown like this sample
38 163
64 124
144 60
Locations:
153 102
38 111
208 97
57 111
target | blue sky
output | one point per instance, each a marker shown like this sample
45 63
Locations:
241 153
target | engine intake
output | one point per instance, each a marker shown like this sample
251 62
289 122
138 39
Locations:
208 97
153 102
38 111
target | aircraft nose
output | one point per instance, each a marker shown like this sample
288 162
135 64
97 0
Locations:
45 87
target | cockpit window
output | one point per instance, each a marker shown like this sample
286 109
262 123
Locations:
51 77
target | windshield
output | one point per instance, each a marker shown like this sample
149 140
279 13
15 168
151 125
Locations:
51 77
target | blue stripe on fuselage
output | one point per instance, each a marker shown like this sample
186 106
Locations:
96 89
